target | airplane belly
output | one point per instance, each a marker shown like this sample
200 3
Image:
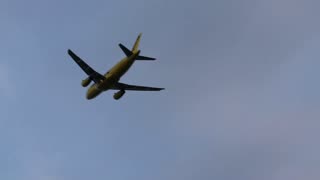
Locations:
121 68
124 70
108 82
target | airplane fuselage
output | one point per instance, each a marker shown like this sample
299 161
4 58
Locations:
110 80
112 76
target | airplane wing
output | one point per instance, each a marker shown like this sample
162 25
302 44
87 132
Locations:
94 76
122 86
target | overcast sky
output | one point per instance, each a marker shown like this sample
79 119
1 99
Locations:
241 100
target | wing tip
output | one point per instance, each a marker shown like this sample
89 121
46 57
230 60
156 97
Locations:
70 52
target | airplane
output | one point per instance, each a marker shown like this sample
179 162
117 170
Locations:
110 80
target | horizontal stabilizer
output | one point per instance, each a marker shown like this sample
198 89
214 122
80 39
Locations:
123 86
125 50
145 58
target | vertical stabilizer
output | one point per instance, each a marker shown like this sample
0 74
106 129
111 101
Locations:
135 47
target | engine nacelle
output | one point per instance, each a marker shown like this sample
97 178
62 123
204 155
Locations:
119 94
86 82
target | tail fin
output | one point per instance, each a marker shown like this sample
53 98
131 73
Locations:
136 44
135 49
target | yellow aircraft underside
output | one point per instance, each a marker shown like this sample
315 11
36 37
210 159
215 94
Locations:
112 76
110 80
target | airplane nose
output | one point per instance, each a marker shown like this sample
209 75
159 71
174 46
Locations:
88 96
92 93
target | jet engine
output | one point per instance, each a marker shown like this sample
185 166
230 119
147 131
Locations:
119 94
86 82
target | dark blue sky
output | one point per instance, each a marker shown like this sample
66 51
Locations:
241 100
